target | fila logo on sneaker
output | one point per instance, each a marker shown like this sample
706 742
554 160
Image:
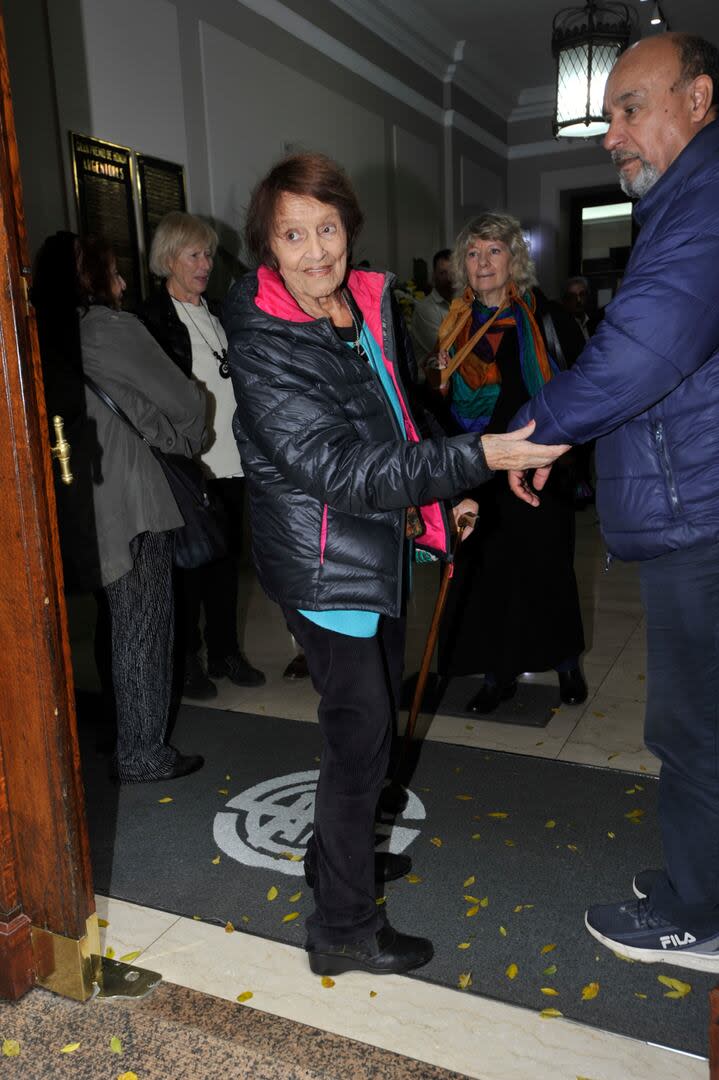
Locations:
673 941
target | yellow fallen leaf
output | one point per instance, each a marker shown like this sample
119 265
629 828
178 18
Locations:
413 879
272 893
130 956
109 952
503 931
291 856
10 1048
590 991
245 918
373 993
327 982
465 980
599 715
549 1014
551 824
228 777
512 971
436 841
464 798
471 912
295 897
549 991
517 908
635 815
551 970
464 944
245 996
223 791
546 949
167 798
291 916
511 843
197 918
216 860
115 1045
102 922
677 988
470 881
471 899
626 959
630 791
573 847
498 814
476 836
484 902
229 928
611 835
127 1076
637 994
381 900
70 1048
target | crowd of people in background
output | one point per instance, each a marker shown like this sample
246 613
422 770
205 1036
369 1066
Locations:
365 442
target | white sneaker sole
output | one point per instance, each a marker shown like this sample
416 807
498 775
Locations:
696 961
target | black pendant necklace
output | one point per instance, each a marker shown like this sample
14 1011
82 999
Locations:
221 355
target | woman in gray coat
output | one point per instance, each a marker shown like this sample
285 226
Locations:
135 512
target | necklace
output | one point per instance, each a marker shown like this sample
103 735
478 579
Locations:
220 354
356 344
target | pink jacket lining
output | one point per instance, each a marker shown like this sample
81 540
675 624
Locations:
366 287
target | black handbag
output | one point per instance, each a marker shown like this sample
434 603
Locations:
204 536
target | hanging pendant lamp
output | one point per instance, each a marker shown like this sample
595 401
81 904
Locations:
586 42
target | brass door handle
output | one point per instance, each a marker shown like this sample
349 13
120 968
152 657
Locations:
61 450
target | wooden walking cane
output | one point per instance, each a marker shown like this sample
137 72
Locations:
447 574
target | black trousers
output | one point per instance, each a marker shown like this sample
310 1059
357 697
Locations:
141 621
214 587
358 680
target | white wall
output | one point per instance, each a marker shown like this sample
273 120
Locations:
418 190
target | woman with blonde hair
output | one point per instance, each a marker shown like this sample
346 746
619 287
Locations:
513 606
188 328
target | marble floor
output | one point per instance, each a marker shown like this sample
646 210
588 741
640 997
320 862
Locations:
441 1027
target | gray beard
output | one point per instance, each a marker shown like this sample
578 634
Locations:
645 179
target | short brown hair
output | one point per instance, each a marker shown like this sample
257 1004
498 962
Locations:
316 177
95 263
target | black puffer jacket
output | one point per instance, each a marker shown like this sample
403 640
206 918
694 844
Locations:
330 474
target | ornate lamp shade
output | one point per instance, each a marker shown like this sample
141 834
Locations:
586 43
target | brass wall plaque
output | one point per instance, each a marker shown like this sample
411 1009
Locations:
104 193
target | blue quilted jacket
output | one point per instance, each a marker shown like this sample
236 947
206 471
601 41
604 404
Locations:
647 384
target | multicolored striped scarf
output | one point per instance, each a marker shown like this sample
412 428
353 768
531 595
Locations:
476 382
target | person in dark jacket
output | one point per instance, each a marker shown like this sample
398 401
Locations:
647 387
336 468
190 332
513 604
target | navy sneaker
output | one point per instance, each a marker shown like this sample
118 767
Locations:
631 931
644 882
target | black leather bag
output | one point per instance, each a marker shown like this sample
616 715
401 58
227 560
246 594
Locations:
204 536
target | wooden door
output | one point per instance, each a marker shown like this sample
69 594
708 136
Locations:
47 922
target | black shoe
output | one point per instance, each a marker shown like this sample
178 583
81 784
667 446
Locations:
385 953
572 687
297 668
393 799
183 766
235 668
388 866
489 697
195 683
645 881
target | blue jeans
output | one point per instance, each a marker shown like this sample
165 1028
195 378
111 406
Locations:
680 591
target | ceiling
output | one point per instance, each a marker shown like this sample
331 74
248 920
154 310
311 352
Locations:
506 56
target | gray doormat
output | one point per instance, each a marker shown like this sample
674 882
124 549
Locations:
507 853
533 705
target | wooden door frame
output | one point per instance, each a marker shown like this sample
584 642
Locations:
48 926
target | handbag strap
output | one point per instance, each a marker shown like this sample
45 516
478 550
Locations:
555 347
112 405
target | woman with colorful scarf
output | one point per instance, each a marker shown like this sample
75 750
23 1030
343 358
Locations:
513 606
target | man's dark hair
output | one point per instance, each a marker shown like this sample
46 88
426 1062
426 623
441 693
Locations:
697 56
445 253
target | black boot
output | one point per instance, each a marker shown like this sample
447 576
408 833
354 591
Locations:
385 953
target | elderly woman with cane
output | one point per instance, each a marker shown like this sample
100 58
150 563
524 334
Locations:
344 494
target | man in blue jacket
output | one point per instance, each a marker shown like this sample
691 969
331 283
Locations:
647 387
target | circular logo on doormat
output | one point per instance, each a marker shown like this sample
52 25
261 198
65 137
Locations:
269 824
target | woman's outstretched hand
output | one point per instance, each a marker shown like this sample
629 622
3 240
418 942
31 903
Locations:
516 454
